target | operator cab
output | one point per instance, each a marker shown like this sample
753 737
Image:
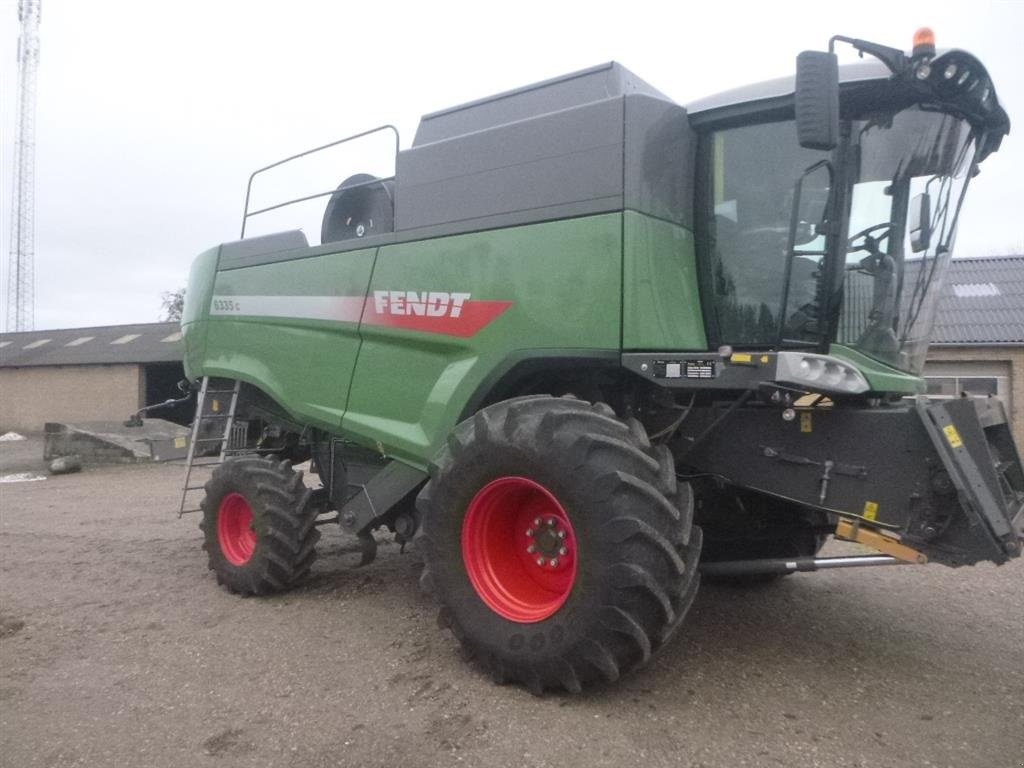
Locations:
808 244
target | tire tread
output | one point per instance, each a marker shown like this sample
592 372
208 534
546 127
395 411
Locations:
646 519
283 518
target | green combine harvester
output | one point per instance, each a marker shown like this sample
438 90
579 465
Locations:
586 345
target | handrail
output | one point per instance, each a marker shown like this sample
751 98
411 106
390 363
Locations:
248 187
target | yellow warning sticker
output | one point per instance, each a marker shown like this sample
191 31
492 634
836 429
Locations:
741 357
805 422
870 510
764 359
215 406
953 436
179 442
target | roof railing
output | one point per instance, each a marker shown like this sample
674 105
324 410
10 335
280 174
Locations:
246 214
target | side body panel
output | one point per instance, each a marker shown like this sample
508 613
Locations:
201 277
661 303
561 282
292 329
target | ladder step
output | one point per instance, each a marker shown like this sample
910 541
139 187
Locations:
220 391
212 416
210 440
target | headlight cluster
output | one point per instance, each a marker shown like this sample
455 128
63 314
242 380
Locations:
820 372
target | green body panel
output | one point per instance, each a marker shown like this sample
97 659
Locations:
304 364
661 303
564 279
880 376
197 303
596 284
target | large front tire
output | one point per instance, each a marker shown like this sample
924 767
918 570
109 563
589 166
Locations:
558 542
259 528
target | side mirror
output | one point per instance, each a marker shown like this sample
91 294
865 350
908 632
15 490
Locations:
810 198
920 222
817 100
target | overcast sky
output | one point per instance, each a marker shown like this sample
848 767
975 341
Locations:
151 115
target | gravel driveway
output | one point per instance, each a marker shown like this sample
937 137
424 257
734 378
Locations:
118 649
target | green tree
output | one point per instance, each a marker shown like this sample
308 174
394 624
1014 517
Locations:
172 303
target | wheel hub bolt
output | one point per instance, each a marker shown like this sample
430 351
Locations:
531 549
551 522
540 561
561 533
563 551
536 522
553 562
529 532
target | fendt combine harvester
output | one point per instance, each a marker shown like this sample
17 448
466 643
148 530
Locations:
587 344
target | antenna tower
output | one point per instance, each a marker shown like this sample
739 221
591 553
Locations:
20 272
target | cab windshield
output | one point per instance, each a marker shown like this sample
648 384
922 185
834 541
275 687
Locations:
909 173
772 274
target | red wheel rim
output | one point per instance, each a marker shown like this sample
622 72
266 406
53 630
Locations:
234 529
519 549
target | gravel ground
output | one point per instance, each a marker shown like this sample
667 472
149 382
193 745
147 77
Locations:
118 649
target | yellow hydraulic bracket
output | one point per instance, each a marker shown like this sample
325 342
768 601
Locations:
852 531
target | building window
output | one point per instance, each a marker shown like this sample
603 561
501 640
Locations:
972 386
941 386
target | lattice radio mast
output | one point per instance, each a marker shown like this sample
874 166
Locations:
20 272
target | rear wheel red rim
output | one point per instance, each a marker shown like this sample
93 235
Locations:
234 529
519 549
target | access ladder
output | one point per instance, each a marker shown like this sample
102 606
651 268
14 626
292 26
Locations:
226 441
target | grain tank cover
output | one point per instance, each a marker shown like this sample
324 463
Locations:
605 81
591 142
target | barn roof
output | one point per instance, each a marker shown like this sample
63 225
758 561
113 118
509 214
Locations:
103 345
982 302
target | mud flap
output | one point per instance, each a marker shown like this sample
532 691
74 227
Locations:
974 441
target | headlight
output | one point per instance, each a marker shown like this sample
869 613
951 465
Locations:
820 372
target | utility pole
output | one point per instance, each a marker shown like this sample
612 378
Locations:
20 269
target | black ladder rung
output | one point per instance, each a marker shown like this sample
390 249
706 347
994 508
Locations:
210 440
220 392
212 416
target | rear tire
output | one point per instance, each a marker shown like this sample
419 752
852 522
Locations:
628 572
258 525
